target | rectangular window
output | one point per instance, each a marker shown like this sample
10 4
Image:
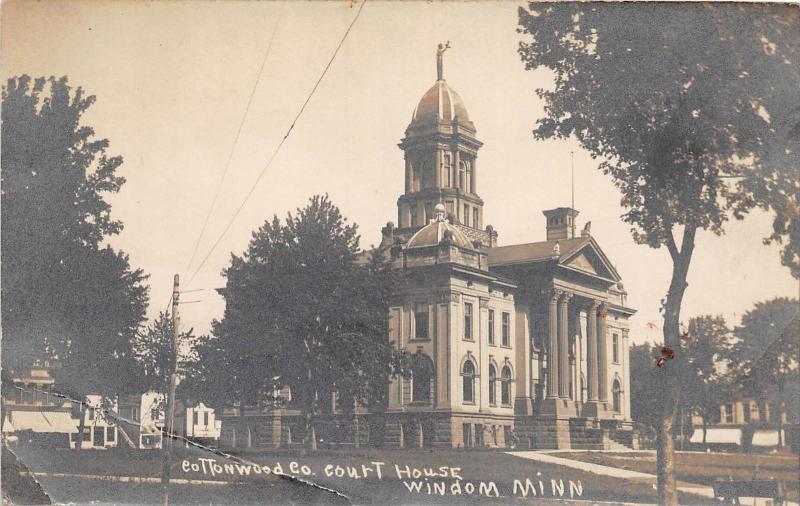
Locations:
110 435
97 436
491 326
91 413
195 420
466 214
728 412
475 222
615 347
506 329
449 208
420 321
468 321
205 418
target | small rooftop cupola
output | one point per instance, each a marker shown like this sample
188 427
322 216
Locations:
560 223
441 150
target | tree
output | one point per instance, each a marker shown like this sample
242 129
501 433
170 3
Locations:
644 405
65 294
675 99
704 348
765 357
303 311
158 358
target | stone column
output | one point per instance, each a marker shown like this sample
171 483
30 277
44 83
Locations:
475 176
563 346
552 349
602 352
591 351
409 175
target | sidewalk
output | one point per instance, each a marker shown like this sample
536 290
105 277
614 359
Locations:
614 472
689 488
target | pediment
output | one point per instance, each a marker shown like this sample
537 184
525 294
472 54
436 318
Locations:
582 263
591 260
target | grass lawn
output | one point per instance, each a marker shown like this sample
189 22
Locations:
471 467
704 468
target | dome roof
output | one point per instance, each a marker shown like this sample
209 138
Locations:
440 103
435 232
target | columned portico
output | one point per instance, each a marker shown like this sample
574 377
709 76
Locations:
591 350
602 355
596 361
563 347
553 377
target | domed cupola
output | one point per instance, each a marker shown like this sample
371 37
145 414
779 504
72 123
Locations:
439 243
440 104
437 231
441 153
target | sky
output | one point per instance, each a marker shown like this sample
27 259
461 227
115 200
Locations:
173 79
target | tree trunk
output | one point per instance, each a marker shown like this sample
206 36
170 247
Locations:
310 436
672 369
705 425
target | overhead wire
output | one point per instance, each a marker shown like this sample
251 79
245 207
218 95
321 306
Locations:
227 166
280 144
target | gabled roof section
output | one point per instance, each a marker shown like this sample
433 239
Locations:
534 251
589 258
579 253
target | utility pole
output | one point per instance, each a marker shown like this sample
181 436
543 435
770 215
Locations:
167 438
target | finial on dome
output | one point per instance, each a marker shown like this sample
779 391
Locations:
440 212
440 60
557 249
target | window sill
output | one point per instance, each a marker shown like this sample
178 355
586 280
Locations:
419 339
506 346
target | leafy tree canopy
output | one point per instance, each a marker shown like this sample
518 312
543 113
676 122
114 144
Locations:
673 98
157 357
766 353
65 294
304 309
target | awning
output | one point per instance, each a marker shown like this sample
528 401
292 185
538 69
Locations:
765 438
717 435
44 421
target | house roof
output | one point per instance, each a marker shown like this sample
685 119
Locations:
579 253
535 251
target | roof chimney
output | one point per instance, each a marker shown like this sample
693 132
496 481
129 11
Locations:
560 223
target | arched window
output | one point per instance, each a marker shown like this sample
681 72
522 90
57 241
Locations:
492 385
616 393
421 377
468 376
505 386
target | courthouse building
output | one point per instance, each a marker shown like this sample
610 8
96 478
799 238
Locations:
525 342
